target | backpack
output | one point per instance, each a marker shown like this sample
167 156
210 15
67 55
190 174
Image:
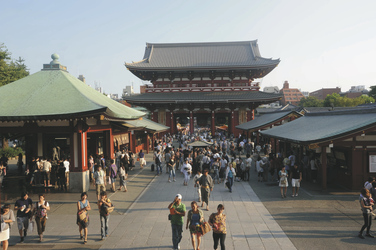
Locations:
157 160
41 212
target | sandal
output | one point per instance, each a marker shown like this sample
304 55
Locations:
81 237
85 241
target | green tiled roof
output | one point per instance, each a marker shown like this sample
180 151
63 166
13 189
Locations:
56 93
217 97
148 124
325 126
265 120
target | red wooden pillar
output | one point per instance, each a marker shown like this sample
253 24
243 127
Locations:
131 135
172 124
147 143
323 168
112 150
213 123
232 129
191 123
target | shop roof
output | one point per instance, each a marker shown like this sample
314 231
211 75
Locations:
147 124
324 126
54 93
214 97
192 56
265 120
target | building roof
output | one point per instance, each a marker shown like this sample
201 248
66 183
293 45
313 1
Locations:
323 127
54 93
147 124
193 56
202 97
266 120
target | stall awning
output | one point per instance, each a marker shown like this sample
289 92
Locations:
146 124
324 126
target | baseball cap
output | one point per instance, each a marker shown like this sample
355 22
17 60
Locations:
179 196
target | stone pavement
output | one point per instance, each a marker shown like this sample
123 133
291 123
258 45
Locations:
140 218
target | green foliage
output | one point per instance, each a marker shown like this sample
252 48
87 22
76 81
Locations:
11 152
372 92
335 100
311 101
11 70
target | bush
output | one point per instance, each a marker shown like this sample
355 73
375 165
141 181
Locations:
11 152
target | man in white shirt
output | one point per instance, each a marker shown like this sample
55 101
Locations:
47 173
66 165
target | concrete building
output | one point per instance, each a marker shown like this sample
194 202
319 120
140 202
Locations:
290 96
322 93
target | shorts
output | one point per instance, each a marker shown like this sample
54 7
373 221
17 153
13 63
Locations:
23 223
99 188
113 180
295 183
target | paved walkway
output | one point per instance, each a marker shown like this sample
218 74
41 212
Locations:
140 218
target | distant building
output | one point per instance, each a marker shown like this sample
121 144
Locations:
128 90
271 89
143 89
322 93
99 89
82 78
305 93
290 96
356 89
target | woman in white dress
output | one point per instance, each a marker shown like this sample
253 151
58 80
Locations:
283 182
8 216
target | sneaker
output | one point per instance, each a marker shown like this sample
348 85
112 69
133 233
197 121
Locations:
174 180
361 236
169 180
25 232
22 240
296 195
370 235
292 195
178 246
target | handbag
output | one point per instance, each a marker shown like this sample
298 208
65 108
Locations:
205 227
31 227
109 209
82 215
283 181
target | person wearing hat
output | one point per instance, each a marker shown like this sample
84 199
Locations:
177 212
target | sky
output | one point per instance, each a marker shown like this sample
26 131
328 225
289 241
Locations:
321 44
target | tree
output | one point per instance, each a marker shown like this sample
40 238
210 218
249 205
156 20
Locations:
372 93
335 100
11 70
311 101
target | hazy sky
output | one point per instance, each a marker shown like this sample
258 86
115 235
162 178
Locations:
321 44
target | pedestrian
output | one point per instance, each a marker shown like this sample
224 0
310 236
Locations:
366 203
7 216
260 169
66 165
248 164
113 173
171 164
207 185
230 174
24 208
158 161
187 170
177 212
196 185
100 180
47 173
61 177
83 206
194 219
141 156
123 177
296 179
283 183
40 211
218 222
103 204
216 167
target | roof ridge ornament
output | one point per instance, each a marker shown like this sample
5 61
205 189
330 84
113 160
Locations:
54 64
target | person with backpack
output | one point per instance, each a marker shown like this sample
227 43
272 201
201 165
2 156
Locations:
40 211
113 172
